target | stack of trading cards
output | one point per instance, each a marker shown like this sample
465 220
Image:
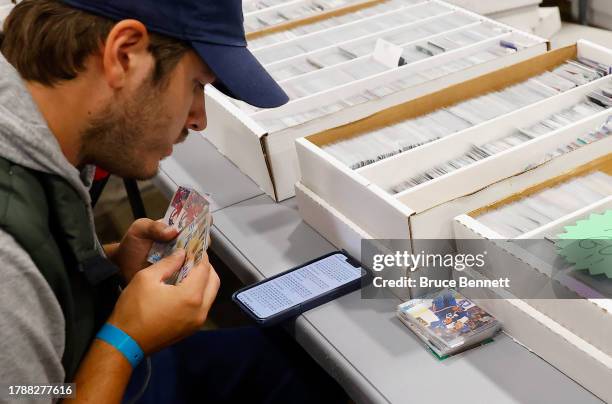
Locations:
483 151
367 30
291 12
388 141
362 67
313 58
189 213
527 214
448 322
328 23
249 6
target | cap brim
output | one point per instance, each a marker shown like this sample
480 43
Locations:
240 75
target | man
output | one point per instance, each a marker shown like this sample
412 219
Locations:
116 84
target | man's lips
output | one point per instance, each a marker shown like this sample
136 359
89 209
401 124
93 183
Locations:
180 139
182 136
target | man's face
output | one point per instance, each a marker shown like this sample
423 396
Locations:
142 122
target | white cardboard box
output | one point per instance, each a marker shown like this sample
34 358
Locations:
269 158
338 230
540 21
571 354
550 22
525 18
580 307
427 211
330 223
554 343
346 234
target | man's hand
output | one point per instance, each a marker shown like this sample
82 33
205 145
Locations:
157 315
130 255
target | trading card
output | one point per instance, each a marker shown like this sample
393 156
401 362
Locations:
186 207
176 206
195 247
194 240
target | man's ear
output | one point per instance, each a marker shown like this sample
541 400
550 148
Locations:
125 53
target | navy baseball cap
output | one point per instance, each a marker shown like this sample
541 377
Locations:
215 30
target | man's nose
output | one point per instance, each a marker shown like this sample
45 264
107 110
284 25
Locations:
197 115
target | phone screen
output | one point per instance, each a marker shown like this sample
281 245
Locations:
300 285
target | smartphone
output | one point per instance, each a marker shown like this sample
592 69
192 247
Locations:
299 289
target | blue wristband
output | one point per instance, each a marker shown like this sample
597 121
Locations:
123 342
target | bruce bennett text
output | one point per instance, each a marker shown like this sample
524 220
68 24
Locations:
424 282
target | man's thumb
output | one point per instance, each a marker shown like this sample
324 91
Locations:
169 265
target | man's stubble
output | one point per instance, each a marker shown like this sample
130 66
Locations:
117 136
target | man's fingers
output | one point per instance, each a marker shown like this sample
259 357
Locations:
168 265
141 226
196 279
154 230
160 231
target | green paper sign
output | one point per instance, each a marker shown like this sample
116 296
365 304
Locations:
588 244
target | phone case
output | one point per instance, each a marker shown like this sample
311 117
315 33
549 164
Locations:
307 305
